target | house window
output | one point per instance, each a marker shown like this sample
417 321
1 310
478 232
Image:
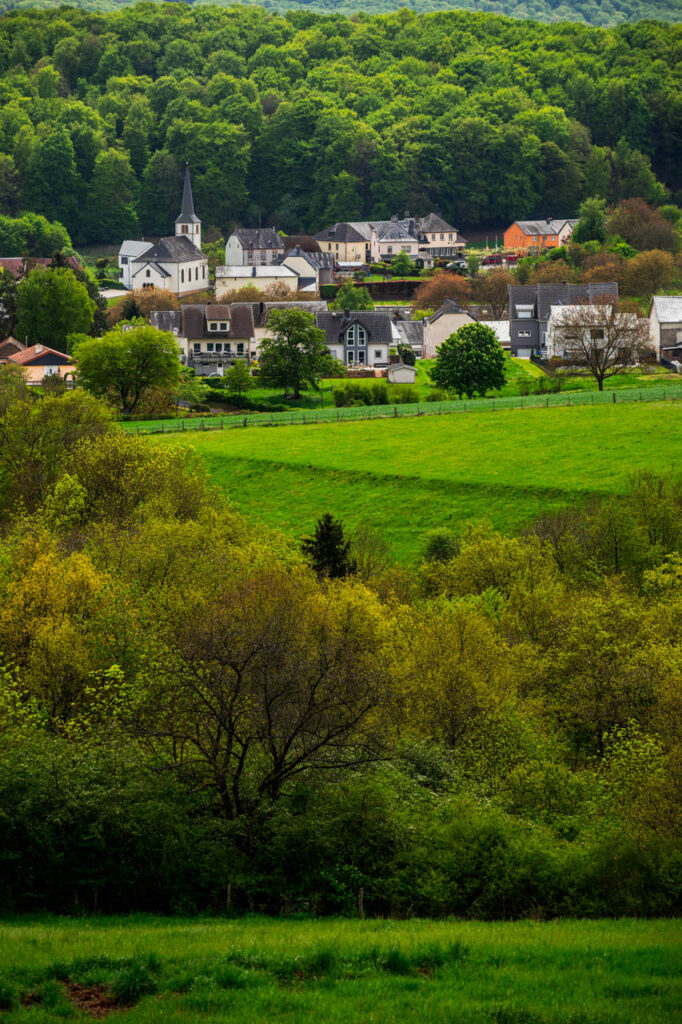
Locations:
524 312
124 261
377 353
597 333
240 348
361 356
209 346
213 327
218 346
223 326
442 238
196 347
204 272
524 334
228 349
389 248
450 237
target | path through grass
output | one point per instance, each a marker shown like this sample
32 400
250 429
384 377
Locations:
345 972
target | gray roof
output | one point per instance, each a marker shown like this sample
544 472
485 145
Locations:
549 226
172 249
187 214
449 307
318 260
259 238
543 296
432 222
668 308
261 310
167 320
378 325
411 331
345 232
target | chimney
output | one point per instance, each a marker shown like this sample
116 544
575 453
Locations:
39 348
346 314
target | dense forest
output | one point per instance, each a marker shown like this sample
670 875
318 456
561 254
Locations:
196 713
302 119
593 12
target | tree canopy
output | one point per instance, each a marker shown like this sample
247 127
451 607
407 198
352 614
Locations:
126 363
293 353
50 305
470 361
318 118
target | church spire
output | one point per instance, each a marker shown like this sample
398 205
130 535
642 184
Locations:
188 223
187 214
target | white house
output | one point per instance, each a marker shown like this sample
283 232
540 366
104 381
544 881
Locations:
174 263
665 327
441 324
248 247
312 268
230 279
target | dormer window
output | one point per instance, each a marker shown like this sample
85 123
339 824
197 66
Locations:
223 326
213 326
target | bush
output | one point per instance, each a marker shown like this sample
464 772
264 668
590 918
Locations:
403 394
133 982
328 291
437 395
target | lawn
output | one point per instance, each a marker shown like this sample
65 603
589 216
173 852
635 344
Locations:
403 477
258 971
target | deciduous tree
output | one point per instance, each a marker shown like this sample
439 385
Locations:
470 362
124 364
294 353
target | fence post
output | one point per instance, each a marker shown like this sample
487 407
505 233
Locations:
361 902
203 424
222 425
182 423
547 400
614 396
493 405
245 421
395 410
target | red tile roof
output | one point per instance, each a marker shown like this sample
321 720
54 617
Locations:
15 264
37 352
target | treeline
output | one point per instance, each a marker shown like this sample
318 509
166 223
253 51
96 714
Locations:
301 120
593 12
193 717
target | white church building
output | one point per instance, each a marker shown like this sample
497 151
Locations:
174 263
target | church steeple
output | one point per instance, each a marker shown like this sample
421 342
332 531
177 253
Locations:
188 223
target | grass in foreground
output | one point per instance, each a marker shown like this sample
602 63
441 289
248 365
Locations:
343 972
404 477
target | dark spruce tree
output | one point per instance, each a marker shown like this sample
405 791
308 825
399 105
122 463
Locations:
328 550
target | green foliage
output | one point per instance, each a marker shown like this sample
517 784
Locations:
331 118
125 364
238 378
402 265
591 224
293 353
328 550
31 235
350 296
470 362
50 305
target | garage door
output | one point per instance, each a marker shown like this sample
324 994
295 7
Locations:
524 353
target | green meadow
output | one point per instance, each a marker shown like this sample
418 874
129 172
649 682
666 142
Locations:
256 971
404 477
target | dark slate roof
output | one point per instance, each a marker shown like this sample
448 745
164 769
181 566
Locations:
239 314
172 249
340 233
543 227
261 310
377 325
543 296
218 311
167 320
187 214
259 238
318 260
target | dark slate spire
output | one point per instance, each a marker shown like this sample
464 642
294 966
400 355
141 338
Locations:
187 214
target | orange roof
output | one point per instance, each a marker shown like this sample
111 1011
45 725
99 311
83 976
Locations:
35 352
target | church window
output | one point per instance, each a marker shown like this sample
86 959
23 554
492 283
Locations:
148 273
182 276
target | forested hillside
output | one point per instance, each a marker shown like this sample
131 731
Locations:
594 12
303 119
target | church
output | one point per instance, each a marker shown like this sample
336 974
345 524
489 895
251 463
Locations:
174 263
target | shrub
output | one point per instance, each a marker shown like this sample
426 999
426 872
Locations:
436 395
328 291
134 981
441 545
403 394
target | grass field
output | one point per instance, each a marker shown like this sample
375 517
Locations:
404 477
257 971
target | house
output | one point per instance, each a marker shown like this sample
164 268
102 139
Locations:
174 263
312 268
535 235
400 373
665 327
9 347
530 307
17 266
39 361
576 329
440 325
357 338
211 337
247 247
231 279
358 242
